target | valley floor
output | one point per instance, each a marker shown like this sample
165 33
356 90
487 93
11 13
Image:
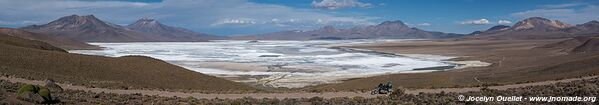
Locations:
513 61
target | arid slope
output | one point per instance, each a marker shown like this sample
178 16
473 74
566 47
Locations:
61 42
23 58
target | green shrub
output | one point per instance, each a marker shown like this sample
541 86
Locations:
27 88
44 92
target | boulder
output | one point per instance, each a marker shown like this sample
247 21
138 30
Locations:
31 97
52 86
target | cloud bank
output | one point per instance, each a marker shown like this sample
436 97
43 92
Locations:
338 4
504 22
424 24
476 22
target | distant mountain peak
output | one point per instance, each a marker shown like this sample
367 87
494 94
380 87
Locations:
90 28
74 21
392 22
498 27
593 22
536 19
539 23
538 28
591 26
80 18
146 22
329 29
153 26
147 18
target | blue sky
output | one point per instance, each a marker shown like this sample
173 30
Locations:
240 17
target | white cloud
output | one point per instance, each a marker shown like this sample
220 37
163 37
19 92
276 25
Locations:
199 15
567 5
476 22
17 22
504 22
239 21
338 4
424 24
567 13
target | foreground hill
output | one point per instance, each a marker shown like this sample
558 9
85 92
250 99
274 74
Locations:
575 45
62 42
38 60
539 28
91 29
7 39
385 30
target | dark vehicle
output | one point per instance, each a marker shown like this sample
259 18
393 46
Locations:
383 89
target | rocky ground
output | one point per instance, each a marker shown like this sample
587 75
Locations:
586 87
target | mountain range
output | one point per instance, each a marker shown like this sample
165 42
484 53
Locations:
384 30
88 28
539 28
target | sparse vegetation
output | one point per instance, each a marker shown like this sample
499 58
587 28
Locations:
32 92
588 87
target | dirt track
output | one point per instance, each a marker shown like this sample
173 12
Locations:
281 95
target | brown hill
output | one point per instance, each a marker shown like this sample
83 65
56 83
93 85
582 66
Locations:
388 29
590 45
575 45
62 42
6 39
23 58
566 45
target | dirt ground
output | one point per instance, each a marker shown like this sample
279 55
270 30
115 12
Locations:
513 61
275 95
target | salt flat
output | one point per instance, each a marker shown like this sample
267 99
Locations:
276 63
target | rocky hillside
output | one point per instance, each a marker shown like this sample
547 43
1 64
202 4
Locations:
590 45
10 40
575 45
385 30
